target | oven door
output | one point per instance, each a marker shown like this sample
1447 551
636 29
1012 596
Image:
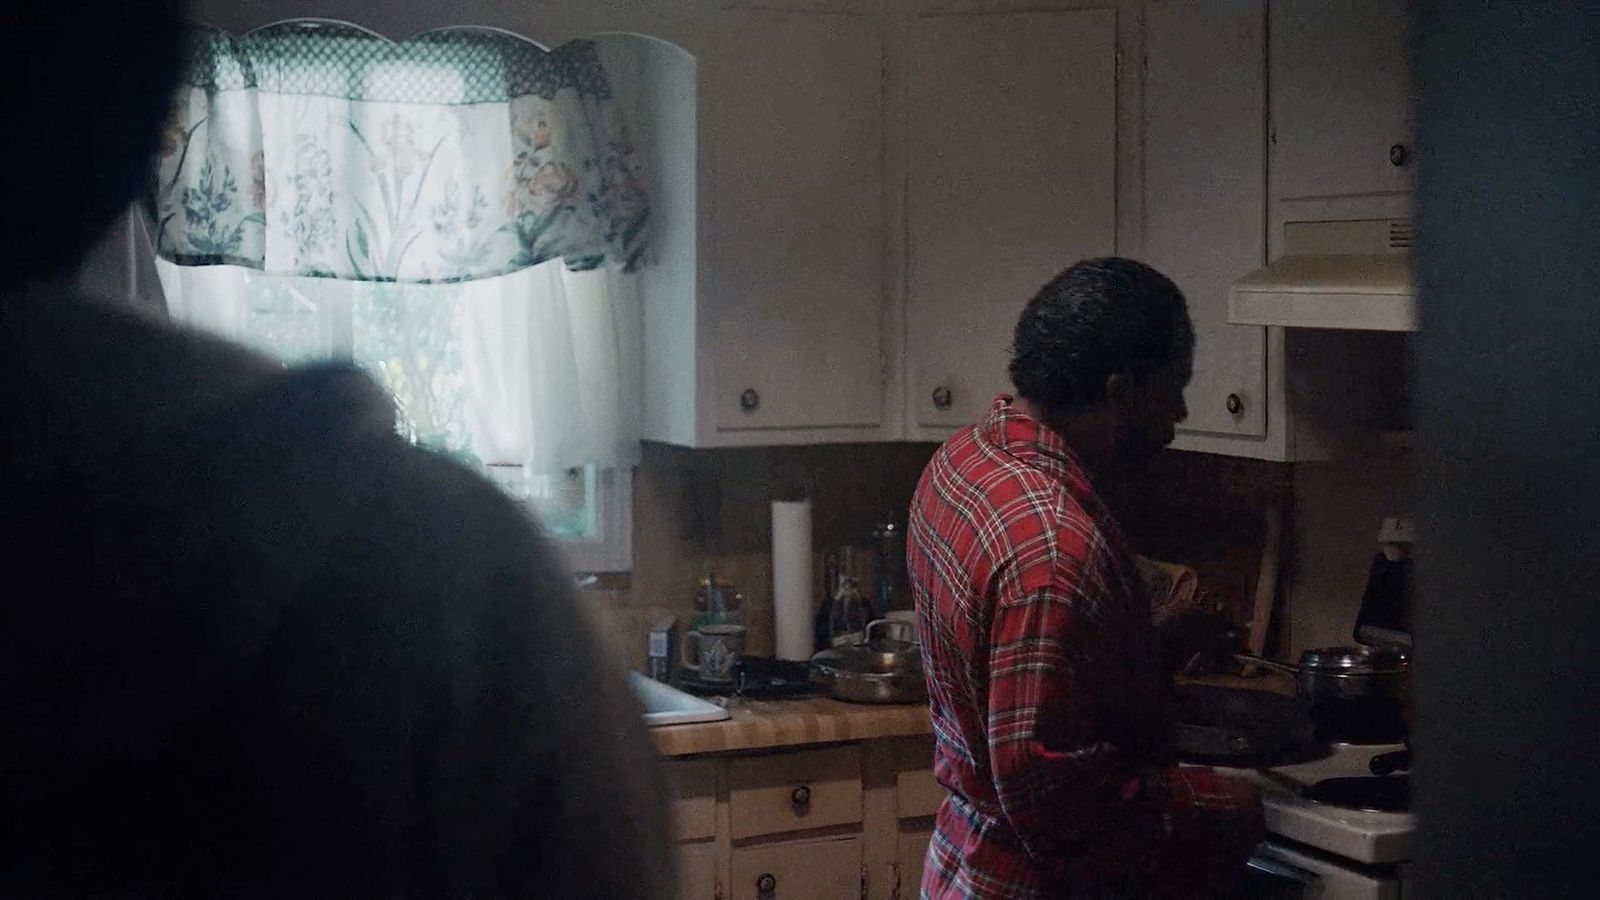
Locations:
1280 871
1268 878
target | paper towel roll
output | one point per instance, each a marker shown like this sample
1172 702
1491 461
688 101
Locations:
791 578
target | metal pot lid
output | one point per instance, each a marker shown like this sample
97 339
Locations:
863 660
1355 660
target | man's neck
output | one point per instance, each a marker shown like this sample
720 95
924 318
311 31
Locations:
1086 432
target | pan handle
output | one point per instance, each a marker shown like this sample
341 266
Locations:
1267 663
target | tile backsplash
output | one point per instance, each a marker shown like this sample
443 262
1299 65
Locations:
700 510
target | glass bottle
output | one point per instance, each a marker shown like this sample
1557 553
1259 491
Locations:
850 610
890 587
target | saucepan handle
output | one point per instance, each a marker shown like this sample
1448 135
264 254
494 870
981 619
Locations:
893 629
1267 663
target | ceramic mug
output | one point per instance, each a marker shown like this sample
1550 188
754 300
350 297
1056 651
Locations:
716 649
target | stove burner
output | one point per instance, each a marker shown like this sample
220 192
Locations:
1368 792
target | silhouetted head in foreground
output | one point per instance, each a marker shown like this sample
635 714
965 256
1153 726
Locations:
251 642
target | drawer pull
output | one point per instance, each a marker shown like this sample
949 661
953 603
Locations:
800 797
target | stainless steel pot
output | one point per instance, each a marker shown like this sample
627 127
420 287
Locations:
881 670
1356 693
1347 673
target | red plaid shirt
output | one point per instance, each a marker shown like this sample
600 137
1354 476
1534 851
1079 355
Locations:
1046 689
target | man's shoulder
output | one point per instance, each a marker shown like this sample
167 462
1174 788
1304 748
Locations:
1015 510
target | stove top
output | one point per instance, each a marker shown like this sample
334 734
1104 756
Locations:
1363 835
1374 793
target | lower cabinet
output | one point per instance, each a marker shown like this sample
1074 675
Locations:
908 863
846 821
819 869
697 871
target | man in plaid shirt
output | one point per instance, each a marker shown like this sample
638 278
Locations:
1043 653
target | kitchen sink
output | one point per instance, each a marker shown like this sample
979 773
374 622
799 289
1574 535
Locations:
666 705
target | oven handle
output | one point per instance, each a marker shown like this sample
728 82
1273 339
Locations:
1281 869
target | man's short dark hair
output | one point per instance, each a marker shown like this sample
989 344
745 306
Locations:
1101 317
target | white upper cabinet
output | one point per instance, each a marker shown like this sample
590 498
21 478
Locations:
1011 158
794 139
866 200
1341 99
1204 194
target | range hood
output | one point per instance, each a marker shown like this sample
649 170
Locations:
1350 275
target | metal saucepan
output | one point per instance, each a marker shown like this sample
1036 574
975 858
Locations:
881 670
1356 693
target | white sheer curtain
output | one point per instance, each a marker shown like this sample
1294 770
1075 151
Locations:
122 266
551 360
539 368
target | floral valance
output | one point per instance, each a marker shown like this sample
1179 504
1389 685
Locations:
318 148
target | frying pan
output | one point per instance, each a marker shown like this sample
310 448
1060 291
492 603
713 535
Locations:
1240 727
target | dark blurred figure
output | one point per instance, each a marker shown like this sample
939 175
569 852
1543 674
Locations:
1507 776
251 642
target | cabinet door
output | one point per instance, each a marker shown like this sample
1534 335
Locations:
822 869
796 169
913 851
1205 191
1340 97
1012 161
697 871
692 793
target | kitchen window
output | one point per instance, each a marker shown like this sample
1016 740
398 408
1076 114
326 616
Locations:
462 214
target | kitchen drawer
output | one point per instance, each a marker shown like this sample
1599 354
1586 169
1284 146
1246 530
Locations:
692 787
794 791
821 869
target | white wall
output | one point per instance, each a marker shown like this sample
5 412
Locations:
655 86
121 266
1337 510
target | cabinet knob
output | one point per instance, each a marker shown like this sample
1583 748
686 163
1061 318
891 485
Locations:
941 397
1399 155
766 884
1235 404
749 400
801 796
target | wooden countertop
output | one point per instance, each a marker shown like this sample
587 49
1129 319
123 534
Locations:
767 724
1265 680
